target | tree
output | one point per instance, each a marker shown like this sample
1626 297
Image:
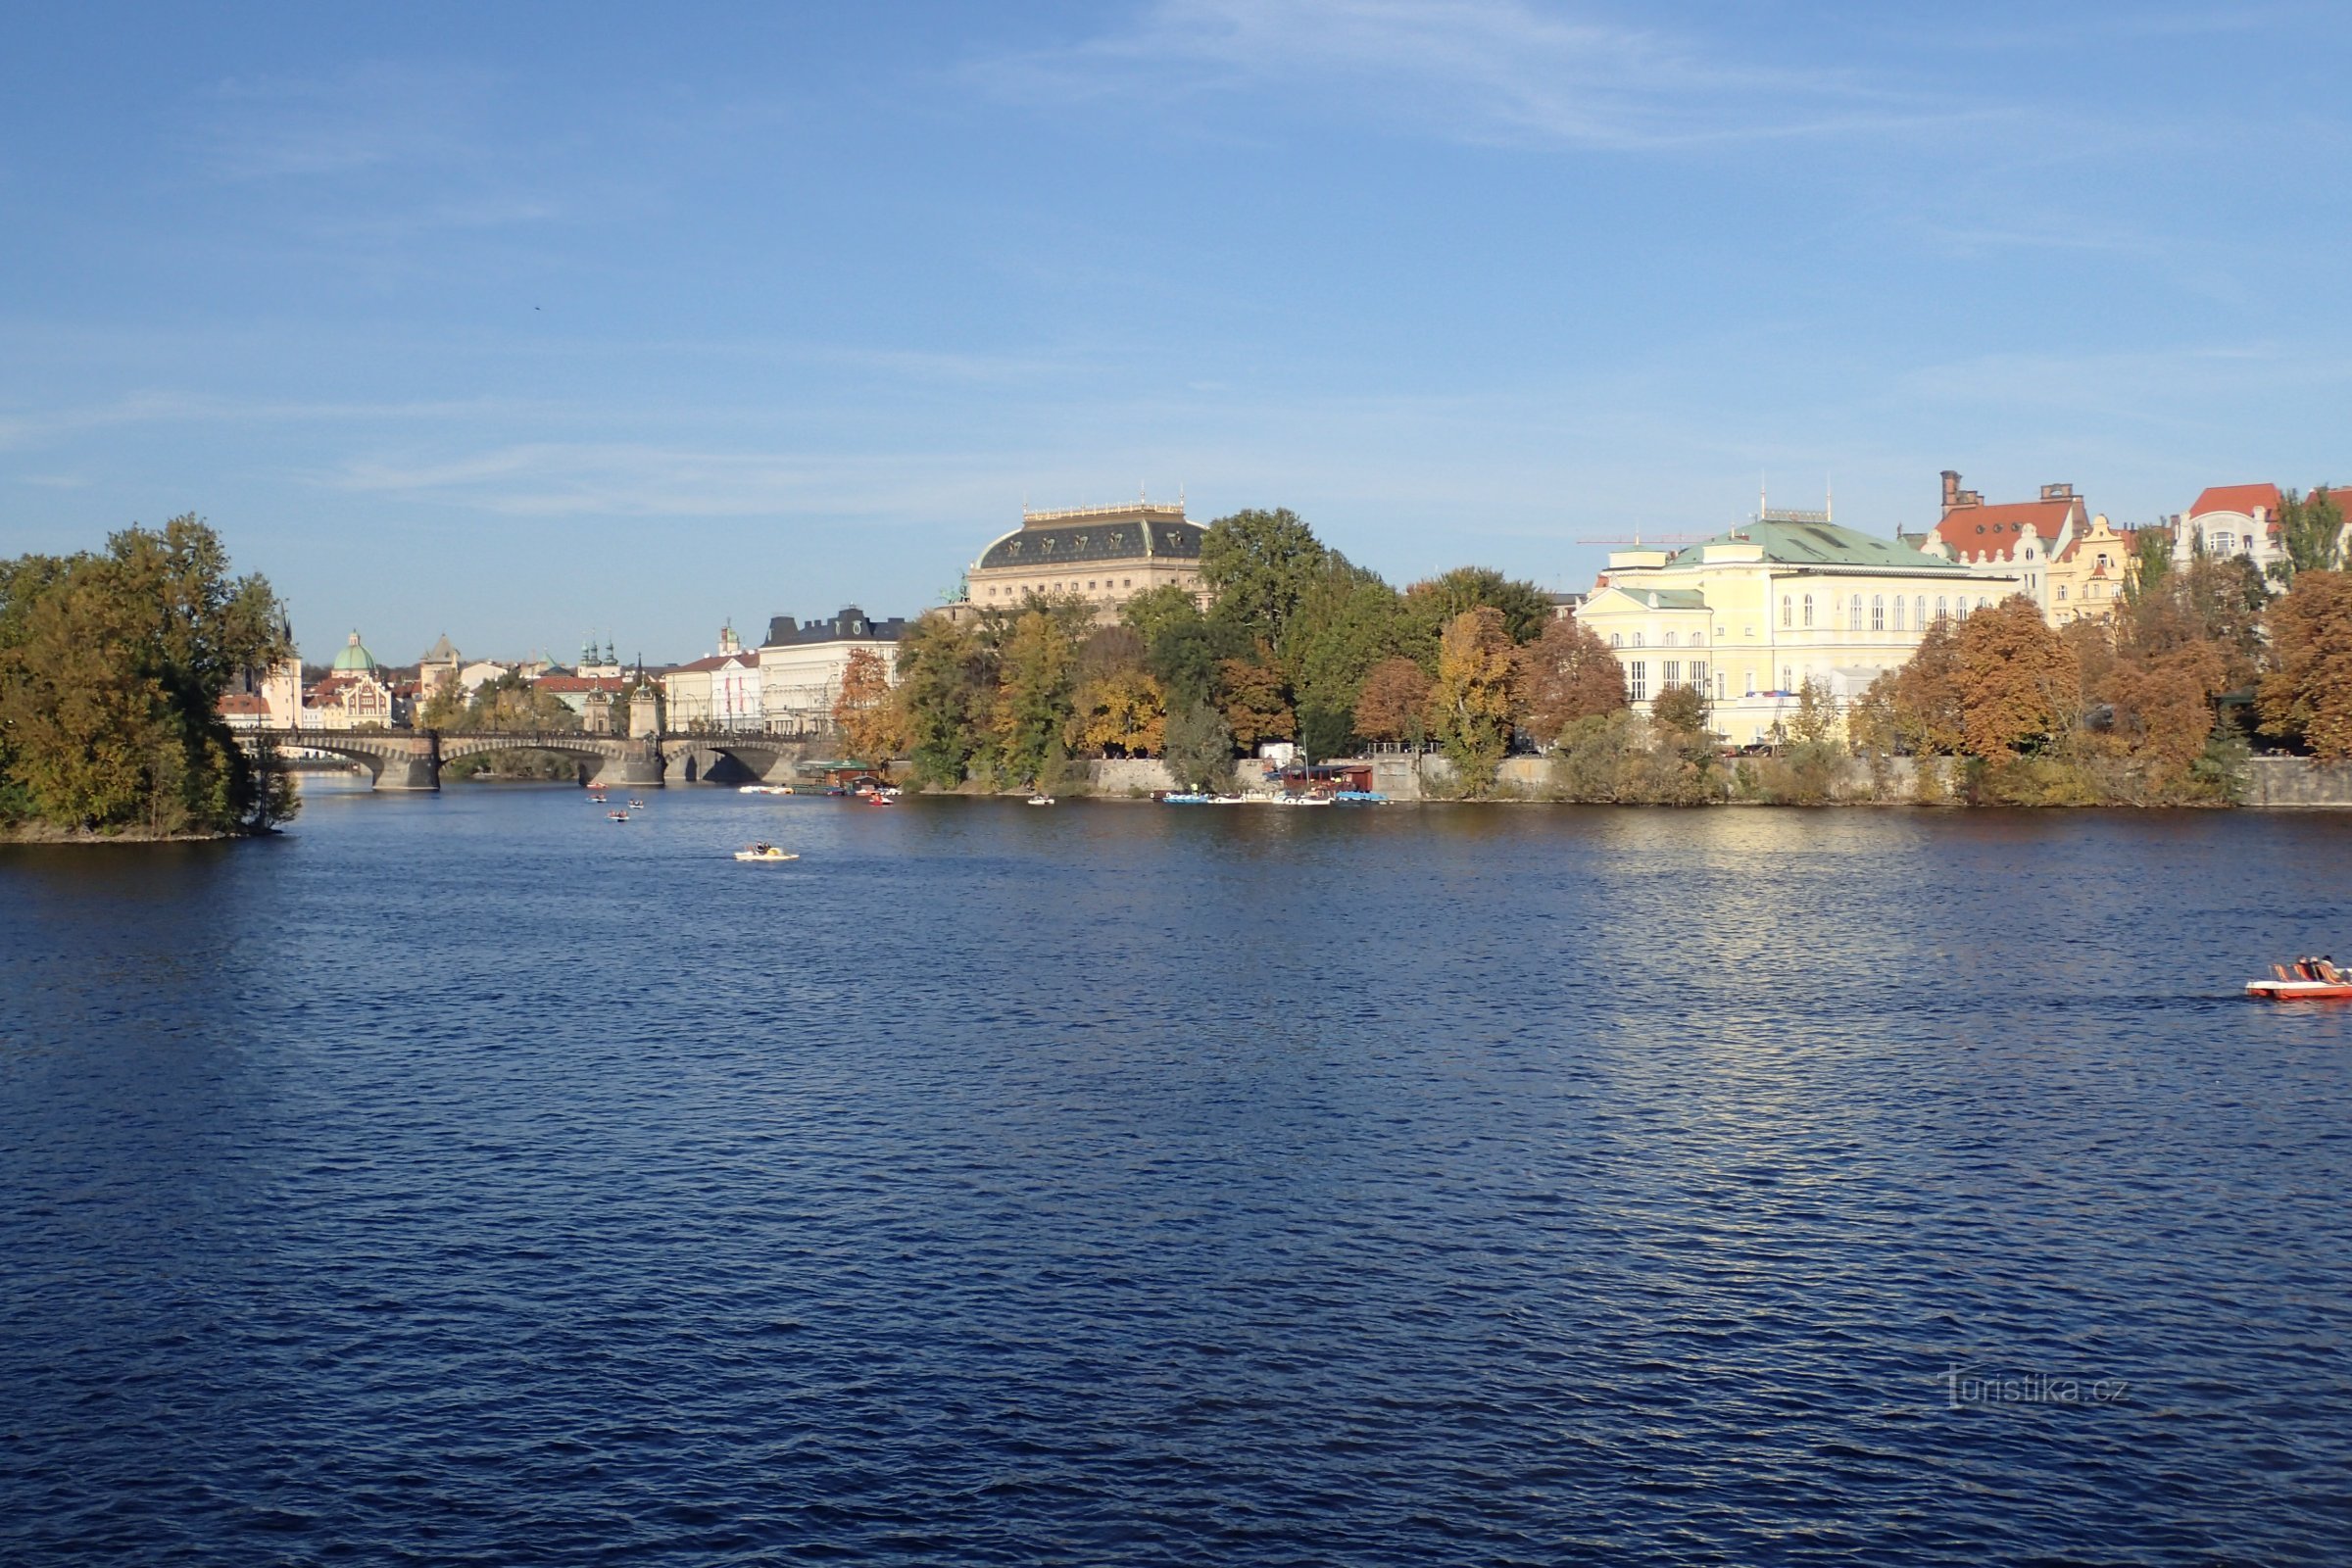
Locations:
1249 696
2151 559
1199 755
1681 710
1348 622
1182 647
514 706
1259 564
2312 528
942 695
1471 700
2308 697
864 713
1924 694
111 669
1122 714
1525 608
1394 705
2020 685
444 706
1033 698
1568 673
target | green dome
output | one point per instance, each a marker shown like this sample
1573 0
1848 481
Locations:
354 658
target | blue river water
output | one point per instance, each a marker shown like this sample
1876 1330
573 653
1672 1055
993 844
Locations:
472 1179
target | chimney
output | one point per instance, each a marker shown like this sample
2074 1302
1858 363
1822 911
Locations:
1954 497
2057 492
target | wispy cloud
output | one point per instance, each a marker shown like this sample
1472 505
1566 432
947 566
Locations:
24 431
373 117
1473 70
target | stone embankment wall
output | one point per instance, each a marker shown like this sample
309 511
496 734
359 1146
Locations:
2294 781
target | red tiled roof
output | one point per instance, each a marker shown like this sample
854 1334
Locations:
1996 530
713 663
242 703
2238 498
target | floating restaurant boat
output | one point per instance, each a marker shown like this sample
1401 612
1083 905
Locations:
2309 980
763 789
765 854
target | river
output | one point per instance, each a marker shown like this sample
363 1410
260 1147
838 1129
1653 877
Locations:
473 1180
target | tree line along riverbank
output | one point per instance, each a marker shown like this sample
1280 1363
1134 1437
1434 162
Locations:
2160 703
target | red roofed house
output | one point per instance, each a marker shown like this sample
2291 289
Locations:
2014 538
717 693
2231 519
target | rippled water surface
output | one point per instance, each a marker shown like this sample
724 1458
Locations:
472 1179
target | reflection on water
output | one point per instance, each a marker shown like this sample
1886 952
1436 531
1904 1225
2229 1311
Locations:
471 1176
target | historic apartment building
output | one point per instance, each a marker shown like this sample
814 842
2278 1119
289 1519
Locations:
1103 555
1749 616
801 664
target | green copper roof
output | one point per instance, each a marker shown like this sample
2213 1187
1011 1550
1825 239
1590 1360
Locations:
1667 598
353 658
1822 544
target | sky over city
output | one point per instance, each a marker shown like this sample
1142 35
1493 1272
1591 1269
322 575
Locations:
525 323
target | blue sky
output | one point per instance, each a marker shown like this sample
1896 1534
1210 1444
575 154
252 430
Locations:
524 321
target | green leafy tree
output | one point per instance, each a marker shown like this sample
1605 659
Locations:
1199 748
1182 646
2312 528
1432 605
943 692
1348 621
111 669
1035 672
1259 564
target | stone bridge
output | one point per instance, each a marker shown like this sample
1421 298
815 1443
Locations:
412 759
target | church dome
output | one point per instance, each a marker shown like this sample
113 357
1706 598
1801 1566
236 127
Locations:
354 658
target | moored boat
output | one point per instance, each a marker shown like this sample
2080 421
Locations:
763 789
1040 799
2309 980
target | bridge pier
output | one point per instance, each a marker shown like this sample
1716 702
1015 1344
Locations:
639 767
410 773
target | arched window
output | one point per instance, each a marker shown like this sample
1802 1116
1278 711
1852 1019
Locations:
1669 643
1808 609
1878 612
1787 608
1698 638
1963 606
1941 610
1616 639
1899 612
2062 593
1853 614
1637 639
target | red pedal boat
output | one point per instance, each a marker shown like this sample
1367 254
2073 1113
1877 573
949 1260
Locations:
2307 980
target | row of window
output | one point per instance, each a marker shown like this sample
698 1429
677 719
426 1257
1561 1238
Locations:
1069 587
1670 672
1698 639
1878 610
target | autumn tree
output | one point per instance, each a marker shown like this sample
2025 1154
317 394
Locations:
1121 714
1471 700
1565 675
1924 697
1249 698
2308 697
1348 621
865 712
1394 705
2020 685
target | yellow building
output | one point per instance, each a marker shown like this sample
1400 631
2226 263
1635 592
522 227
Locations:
1103 554
1749 616
2087 579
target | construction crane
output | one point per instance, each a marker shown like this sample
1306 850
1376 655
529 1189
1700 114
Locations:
1655 539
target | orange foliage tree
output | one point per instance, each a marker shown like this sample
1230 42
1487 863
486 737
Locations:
1394 702
864 711
1248 694
2020 685
1471 703
1124 713
2308 696
1565 675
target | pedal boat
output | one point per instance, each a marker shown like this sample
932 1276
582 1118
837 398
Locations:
2309 980
766 854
